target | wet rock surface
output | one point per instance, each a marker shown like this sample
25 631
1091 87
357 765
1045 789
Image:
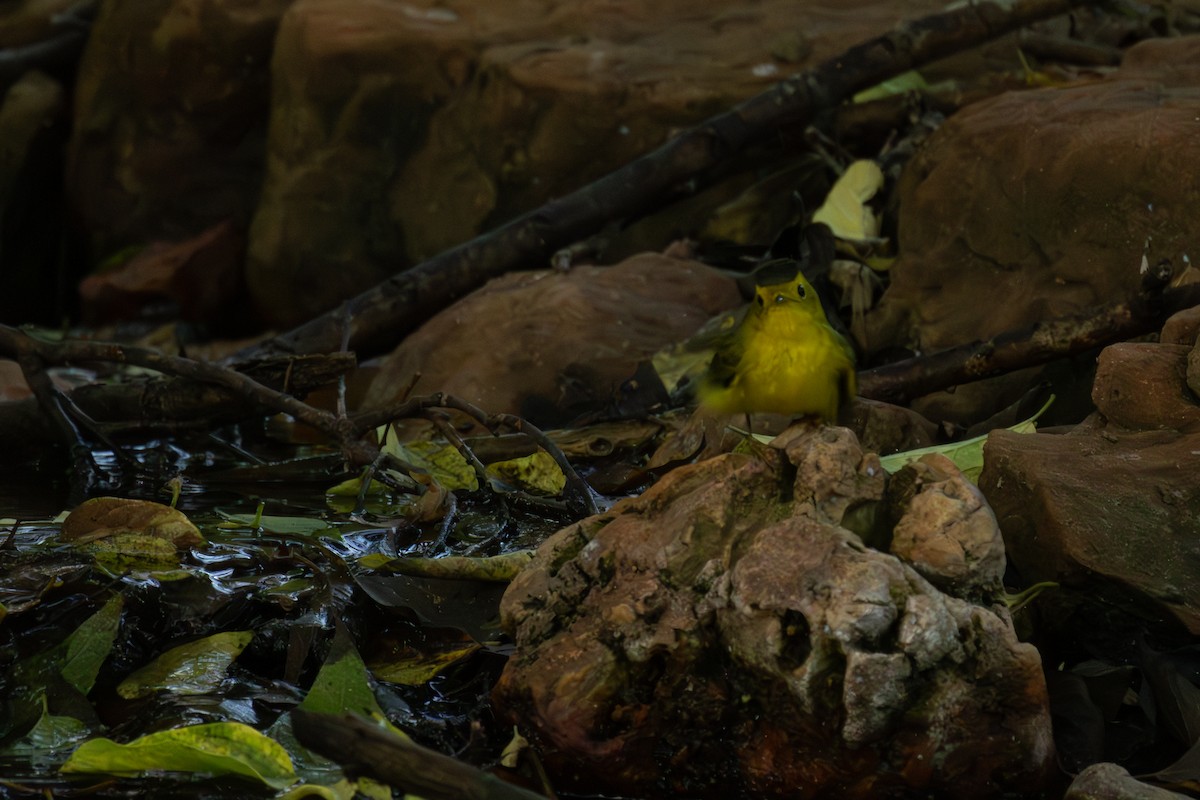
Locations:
723 633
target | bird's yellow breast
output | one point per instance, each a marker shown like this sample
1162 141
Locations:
788 360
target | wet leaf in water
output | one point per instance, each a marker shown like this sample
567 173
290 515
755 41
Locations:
296 526
490 568
128 551
49 739
215 748
342 684
415 669
472 607
89 645
194 668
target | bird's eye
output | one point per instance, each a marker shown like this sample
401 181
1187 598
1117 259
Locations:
800 290
779 299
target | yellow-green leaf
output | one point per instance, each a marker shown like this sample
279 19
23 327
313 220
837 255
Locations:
193 668
419 668
439 460
904 82
352 487
501 568
126 551
537 473
845 210
967 455
344 789
215 748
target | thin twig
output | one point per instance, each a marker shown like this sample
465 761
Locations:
1030 346
580 495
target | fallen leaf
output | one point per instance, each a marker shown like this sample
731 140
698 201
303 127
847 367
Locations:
105 516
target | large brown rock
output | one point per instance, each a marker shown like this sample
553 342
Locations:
1144 386
721 635
170 118
1043 202
553 345
1111 509
401 129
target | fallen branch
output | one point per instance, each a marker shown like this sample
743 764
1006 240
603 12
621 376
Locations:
1031 346
346 432
384 314
162 404
367 749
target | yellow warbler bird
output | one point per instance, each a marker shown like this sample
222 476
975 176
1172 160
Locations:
784 358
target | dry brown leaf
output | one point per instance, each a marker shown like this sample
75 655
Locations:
101 517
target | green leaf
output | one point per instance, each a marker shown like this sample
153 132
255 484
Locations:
344 789
966 455
194 668
215 748
90 643
343 683
49 738
904 82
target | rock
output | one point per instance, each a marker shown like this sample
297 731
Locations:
1043 200
1143 385
1112 782
946 530
399 130
721 635
884 428
170 118
1112 508
1114 515
552 345
1193 369
1182 327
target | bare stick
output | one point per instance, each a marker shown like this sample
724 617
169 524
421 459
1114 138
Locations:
1025 347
